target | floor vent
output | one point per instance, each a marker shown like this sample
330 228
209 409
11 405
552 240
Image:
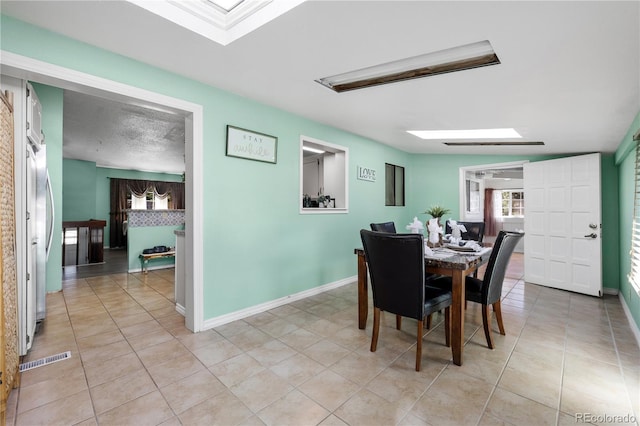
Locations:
44 361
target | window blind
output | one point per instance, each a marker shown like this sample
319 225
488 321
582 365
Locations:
634 274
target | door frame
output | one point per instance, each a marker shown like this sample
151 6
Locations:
462 174
26 68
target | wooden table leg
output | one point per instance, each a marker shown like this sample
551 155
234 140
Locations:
457 316
363 300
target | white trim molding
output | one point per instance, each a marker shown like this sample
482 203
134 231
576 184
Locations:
462 171
23 67
256 309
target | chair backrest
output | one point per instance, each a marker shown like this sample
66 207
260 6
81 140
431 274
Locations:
396 268
497 265
475 230
384 227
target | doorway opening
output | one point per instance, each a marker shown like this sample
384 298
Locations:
494 194
67 79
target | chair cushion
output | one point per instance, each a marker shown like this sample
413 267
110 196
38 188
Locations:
435 299
440 281
473 287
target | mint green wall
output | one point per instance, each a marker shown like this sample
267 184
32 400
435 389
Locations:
142 237
610 224
52 100
257 247
78 190
625 160
434 179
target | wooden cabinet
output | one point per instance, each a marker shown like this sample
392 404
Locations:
89 241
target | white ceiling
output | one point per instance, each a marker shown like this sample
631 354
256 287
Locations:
114 134
570 71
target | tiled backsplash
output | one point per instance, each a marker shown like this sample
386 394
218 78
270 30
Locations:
155 217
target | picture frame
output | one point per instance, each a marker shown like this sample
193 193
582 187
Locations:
250 145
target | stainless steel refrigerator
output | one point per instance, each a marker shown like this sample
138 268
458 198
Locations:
39 211
34 210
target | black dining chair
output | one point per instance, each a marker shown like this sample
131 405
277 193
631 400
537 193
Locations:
488 290
384 227
396 268
390 227
475 230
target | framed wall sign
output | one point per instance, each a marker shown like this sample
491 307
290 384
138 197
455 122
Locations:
251 145
366 173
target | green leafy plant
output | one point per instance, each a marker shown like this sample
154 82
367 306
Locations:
437 211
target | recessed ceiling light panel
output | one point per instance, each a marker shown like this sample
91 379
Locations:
459 58
501 143
505 133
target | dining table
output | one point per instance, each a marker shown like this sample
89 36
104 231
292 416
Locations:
442 261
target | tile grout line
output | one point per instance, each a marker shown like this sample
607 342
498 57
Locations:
564 363
117 284
615 347
495 386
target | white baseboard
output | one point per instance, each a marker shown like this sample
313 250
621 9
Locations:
180 309
256 309
632 322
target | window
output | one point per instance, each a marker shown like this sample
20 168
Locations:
394 185
634 273
472 195
323 177
149 201
512 203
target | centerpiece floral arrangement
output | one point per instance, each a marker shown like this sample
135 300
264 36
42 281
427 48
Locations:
433 225
437 211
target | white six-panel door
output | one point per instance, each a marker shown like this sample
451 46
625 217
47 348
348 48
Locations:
563 225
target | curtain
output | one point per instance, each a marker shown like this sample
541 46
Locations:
177 196
119 191
138 187
162 189
117 215
491 228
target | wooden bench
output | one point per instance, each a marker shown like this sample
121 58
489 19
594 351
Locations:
145 258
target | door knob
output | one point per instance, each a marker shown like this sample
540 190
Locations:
593 226
592 235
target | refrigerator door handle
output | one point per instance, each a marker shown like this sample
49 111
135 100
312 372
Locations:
53 215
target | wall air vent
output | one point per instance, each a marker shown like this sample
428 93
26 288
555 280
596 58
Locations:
492 143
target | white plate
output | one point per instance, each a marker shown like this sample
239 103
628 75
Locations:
456 247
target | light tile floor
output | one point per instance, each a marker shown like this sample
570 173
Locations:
306 363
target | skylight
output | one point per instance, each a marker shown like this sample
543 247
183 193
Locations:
507 133
222 21
227 5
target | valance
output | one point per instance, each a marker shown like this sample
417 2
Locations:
120 189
